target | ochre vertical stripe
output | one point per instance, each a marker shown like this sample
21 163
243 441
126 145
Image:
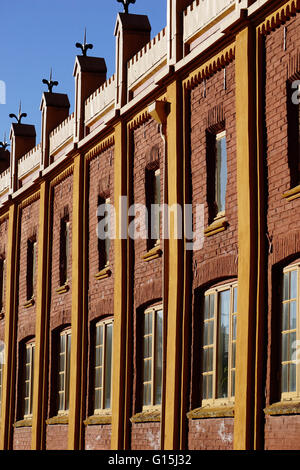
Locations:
120 291
78 320
175 272
247 233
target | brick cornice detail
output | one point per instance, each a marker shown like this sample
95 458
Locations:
62 176
210 67
100 148
139 119
29 200
279 17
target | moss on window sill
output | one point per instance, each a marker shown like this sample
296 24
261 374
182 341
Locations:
98 419
23 423
283 408
146 416
211 412
59 419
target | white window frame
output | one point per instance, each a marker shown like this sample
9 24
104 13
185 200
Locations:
103 323
216 291
31 347
67 364
296 348
153 310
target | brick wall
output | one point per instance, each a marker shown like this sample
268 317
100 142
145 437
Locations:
97 437
145 436
100 296
22 439
60 307
283 217
3 252
210 103
211 434
147 278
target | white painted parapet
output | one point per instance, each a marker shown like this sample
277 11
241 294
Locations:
100 100
61 134
29 162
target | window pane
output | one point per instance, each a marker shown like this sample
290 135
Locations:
293 281
235 299
233 354
286 290
292 377
293 313
221 170
284 350
207 386
108 363
147 395
223 340
285 317
158 357
233 383
98 399
147 370
206 307
234 318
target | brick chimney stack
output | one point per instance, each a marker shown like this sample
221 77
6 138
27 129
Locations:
22 138
90 74
55 109
132 34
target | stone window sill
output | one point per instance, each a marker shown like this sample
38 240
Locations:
146 416
283 408
59 419
292 194
98 419
63 289
211 412
103 274
219 225
23 423
154 253
29 303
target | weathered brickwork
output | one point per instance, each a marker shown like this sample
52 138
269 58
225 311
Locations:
57 437
211 103
22 439
3 248
97 437
145 436
211 434
283 216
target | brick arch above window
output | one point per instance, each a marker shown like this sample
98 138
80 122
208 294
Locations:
148 293
210 271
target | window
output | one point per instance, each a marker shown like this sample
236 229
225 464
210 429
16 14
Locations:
293 110
64 249
28 378
2 275
64 371
103 365
103 233
219 342
31 266
216 172
153 206
152 356
290 334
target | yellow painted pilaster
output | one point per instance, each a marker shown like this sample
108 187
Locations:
120 291
175 271
8 388
41 331
247 237
78 320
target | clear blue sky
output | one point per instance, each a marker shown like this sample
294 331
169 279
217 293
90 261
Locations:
36 35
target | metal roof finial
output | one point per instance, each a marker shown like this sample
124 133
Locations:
20 116
84 47
50 83
126 4
4 144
